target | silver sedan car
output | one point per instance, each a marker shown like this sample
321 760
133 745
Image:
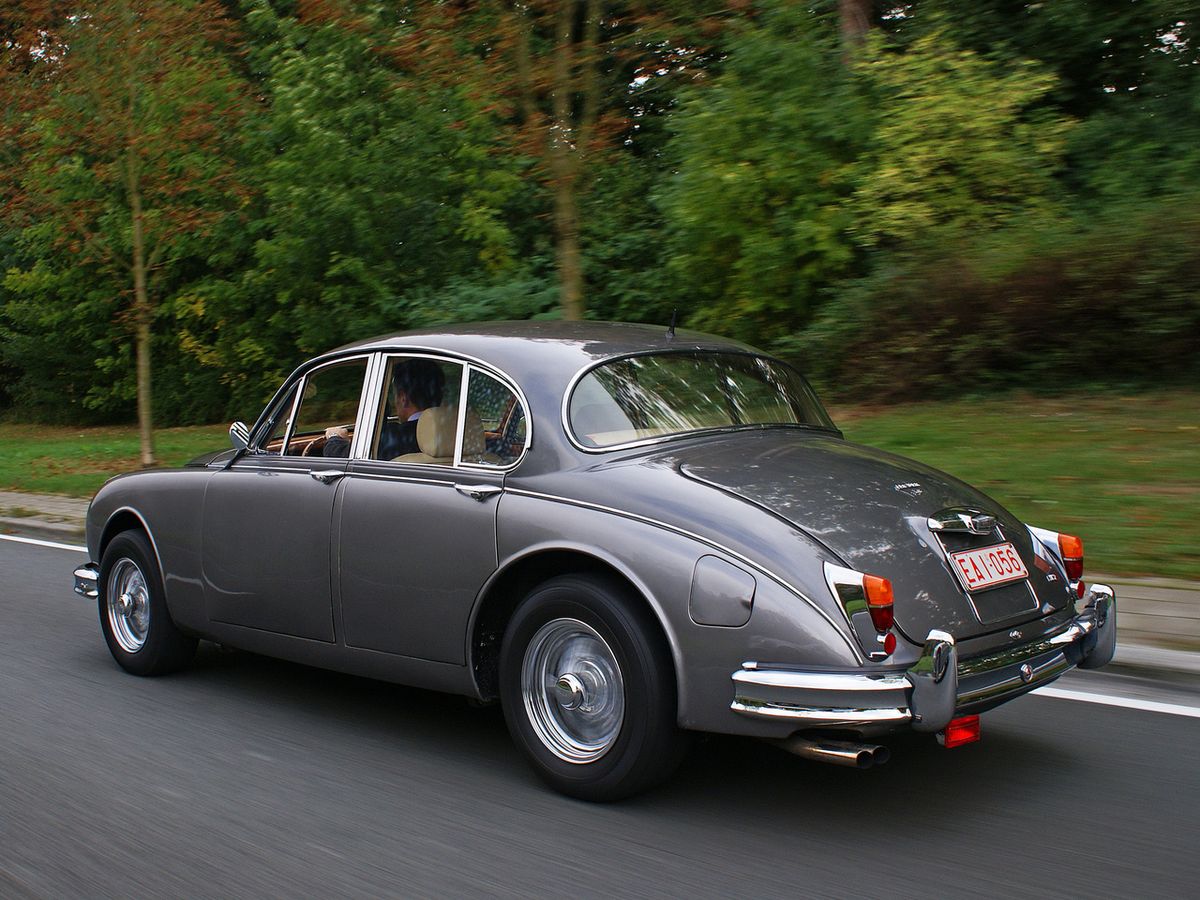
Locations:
623 534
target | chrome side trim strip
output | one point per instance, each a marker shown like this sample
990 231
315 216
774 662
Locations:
413 479
683 532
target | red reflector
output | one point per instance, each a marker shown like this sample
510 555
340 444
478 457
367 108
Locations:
889 644
1080 589
963 730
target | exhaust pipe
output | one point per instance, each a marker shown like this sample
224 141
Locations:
839 753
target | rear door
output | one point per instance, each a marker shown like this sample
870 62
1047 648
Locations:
417 533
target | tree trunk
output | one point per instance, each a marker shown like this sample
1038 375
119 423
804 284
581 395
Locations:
141 318
566 246
564 166
854 20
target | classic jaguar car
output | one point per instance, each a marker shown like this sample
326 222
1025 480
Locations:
622 534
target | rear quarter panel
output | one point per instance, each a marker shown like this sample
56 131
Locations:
659 561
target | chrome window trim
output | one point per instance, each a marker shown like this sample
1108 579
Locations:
364 431
459 426
683 532
302 384
469 364
565 419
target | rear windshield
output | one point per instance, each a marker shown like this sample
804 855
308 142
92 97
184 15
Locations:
637 398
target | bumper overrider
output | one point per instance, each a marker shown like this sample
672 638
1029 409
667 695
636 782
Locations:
934 689
86 580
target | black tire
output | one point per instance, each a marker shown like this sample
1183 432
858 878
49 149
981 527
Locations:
146 642
646 746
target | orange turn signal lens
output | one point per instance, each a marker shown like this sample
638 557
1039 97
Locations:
1070 546
878 590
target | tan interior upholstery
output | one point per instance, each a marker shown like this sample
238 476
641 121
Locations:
435 436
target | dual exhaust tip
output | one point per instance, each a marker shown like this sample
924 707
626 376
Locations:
840 753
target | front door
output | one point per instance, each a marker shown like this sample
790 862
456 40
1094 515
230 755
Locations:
266 545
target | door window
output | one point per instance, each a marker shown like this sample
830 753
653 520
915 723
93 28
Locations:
324 422
417 419
494 428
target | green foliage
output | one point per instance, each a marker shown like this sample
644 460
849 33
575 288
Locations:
755 213
377 192
980 195
1045 307
958 143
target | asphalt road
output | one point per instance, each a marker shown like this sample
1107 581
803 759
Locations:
250 777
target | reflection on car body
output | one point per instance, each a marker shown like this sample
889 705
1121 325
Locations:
621 534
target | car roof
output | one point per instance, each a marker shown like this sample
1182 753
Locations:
549 349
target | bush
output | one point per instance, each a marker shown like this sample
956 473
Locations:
1117 302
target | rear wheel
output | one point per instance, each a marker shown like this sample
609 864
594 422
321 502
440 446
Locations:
133 610
588 689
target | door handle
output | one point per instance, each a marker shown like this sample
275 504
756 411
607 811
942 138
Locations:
478 492
327 476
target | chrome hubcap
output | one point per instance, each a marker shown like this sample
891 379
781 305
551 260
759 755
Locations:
128 605
573 691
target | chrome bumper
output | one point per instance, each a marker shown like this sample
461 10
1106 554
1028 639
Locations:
87 578
936 687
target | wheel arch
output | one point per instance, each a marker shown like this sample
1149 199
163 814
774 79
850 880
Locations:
128 519
513 581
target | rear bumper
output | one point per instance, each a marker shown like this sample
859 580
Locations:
936 688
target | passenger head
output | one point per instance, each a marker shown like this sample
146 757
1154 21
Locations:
418 383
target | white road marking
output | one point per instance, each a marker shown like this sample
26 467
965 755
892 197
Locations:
1171 709
54 544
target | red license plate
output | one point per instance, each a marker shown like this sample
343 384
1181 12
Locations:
988 566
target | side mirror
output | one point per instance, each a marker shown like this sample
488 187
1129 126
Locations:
239 435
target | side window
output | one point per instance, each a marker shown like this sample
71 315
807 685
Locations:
494 427
417 419
329 404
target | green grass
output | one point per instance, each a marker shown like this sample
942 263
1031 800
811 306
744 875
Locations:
1122 472
76 461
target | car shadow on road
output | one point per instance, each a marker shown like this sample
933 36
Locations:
722 774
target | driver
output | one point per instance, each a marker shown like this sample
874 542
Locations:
417 385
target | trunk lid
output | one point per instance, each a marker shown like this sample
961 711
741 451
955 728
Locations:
871 509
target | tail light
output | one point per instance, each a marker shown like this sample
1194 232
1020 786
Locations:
880 602
866 598
1071 550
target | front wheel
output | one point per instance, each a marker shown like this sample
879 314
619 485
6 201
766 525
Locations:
588 689
133 610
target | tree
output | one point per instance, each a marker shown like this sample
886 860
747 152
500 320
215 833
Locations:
757 218
963 144
127 161
563 77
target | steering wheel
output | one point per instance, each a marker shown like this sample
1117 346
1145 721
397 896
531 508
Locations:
315 447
